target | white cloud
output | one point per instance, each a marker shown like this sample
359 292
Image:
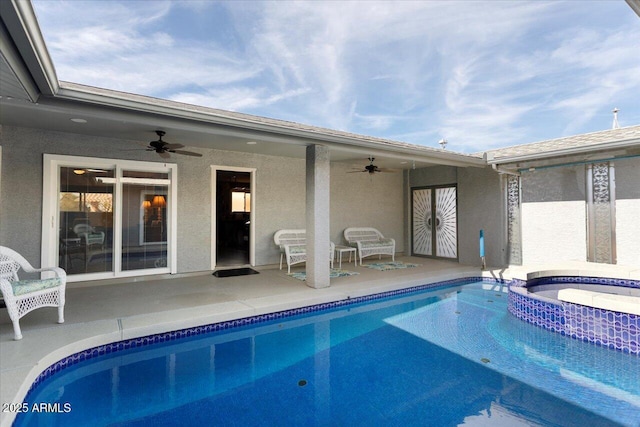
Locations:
481 74
235 99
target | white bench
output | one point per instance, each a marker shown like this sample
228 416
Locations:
370 241
293 247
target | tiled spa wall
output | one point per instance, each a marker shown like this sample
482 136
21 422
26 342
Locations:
620 331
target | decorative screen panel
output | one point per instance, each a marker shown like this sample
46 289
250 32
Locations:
446 225
422 222
514 235
601 216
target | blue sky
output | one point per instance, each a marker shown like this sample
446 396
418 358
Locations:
481 74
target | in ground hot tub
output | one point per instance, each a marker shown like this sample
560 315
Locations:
603 311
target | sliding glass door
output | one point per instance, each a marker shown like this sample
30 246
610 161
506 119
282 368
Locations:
85 217
108 218
144 219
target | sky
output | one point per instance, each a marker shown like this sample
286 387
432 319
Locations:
480 74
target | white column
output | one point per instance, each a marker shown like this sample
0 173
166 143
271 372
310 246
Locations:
318 230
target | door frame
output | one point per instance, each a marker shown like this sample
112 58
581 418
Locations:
434 248
214 216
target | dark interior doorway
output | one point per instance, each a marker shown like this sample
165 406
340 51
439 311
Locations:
233 217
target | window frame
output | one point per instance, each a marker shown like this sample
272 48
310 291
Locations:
51 218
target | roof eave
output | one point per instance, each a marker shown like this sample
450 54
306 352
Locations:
22 25
564 152
118 100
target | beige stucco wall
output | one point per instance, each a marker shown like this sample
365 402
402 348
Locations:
481 207
364 200
553 231
628 211
356 199
554 215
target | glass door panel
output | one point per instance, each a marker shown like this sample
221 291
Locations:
145 198
422 230
435 222
446 223
85 209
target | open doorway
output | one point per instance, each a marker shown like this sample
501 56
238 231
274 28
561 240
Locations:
233 218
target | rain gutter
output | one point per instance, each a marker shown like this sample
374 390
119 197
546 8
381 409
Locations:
585 162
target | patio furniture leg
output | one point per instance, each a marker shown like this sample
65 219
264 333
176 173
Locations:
61 313
16 330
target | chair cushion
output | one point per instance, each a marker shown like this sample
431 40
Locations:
297 249
376 243
21 287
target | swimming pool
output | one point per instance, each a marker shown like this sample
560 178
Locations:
443 357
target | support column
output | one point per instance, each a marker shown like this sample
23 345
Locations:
318 217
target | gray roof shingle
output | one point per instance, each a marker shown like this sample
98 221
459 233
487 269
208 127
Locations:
584 142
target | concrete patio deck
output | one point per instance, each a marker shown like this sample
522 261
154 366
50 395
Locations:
98 313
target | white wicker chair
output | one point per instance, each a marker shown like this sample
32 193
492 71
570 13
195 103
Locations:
23 296
370 241
293 247
290 237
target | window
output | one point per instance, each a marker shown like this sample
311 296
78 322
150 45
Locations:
240 201
109 217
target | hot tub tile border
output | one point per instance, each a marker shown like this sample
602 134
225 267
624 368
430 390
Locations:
619 331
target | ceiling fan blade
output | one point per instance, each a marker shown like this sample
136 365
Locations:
187 153
173 146
358 171
164 154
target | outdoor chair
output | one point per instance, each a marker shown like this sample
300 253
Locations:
370 241
289 237
23 296
293 247
90 239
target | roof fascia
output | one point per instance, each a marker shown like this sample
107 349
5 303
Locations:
20 20
635 5
14 61
628 143
142 104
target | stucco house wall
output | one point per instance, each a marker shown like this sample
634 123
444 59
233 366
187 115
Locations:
365 200
356 199
481 207
554 215
628 211
555 218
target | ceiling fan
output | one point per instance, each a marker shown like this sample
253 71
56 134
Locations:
163 148
371 168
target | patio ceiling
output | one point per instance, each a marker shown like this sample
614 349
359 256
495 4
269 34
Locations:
31 96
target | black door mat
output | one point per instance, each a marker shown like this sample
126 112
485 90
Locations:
235 272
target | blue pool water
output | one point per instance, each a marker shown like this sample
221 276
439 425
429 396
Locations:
447 357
